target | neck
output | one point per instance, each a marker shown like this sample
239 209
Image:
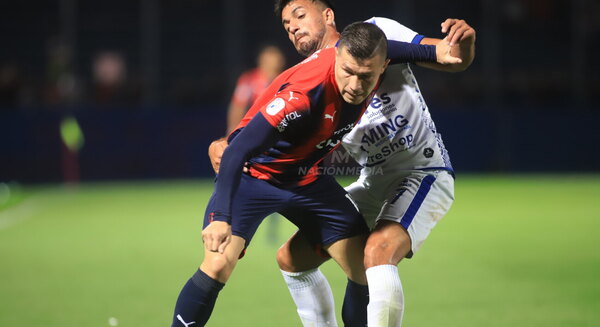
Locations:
330 39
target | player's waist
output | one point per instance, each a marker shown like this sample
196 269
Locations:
285 176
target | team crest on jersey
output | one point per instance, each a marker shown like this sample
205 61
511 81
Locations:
275 106
428 152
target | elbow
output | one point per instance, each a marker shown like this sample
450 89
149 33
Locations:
458 68
451 68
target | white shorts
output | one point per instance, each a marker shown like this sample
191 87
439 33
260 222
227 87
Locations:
415 199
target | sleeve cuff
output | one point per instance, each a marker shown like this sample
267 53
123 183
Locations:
217 216
417 39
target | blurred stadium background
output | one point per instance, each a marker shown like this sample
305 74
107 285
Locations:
140 88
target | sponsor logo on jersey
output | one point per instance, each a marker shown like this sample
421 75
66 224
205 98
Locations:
384 129
398 145
283 124
328 144
275 106
377 103
335 140
344 130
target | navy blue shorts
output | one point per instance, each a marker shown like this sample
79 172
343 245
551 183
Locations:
321 210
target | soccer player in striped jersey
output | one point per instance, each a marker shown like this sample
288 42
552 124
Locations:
406 185
293 125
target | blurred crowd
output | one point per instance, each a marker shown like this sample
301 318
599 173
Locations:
537 54
109 83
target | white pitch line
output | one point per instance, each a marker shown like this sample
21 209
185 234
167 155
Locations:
17 214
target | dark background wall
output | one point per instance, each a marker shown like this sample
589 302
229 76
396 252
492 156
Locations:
529 102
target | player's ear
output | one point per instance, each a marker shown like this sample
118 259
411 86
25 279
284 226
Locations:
385 64
329 16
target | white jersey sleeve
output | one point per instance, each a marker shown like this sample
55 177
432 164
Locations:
395 31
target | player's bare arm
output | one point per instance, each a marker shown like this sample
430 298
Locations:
235 113
255 138
460 37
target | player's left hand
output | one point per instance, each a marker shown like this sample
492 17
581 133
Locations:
216 236
458 31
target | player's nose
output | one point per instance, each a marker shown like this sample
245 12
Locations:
355 85
293 28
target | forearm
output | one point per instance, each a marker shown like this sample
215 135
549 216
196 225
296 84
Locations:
256 137
234 116
464 49
407 52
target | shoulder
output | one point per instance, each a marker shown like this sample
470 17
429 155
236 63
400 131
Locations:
287 108
318 62
393 30
310 73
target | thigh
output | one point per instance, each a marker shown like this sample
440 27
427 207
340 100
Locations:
324 212
366 203
419 202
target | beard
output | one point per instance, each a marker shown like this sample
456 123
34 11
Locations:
308 48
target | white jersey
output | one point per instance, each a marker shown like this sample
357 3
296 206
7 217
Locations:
396 131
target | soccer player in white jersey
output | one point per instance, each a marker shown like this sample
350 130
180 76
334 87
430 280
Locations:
406 185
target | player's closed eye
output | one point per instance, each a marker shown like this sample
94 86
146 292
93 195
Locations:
348 72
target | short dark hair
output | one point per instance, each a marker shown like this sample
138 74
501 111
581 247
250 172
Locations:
363 40
280 4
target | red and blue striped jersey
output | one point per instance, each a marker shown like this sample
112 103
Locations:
305 106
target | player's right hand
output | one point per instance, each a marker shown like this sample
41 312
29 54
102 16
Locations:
216 236
442 51
215 152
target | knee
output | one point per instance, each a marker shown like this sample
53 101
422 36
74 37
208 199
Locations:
284 258
384 250
218 267
298 256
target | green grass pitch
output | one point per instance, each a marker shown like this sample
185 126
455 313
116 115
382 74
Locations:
518 250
